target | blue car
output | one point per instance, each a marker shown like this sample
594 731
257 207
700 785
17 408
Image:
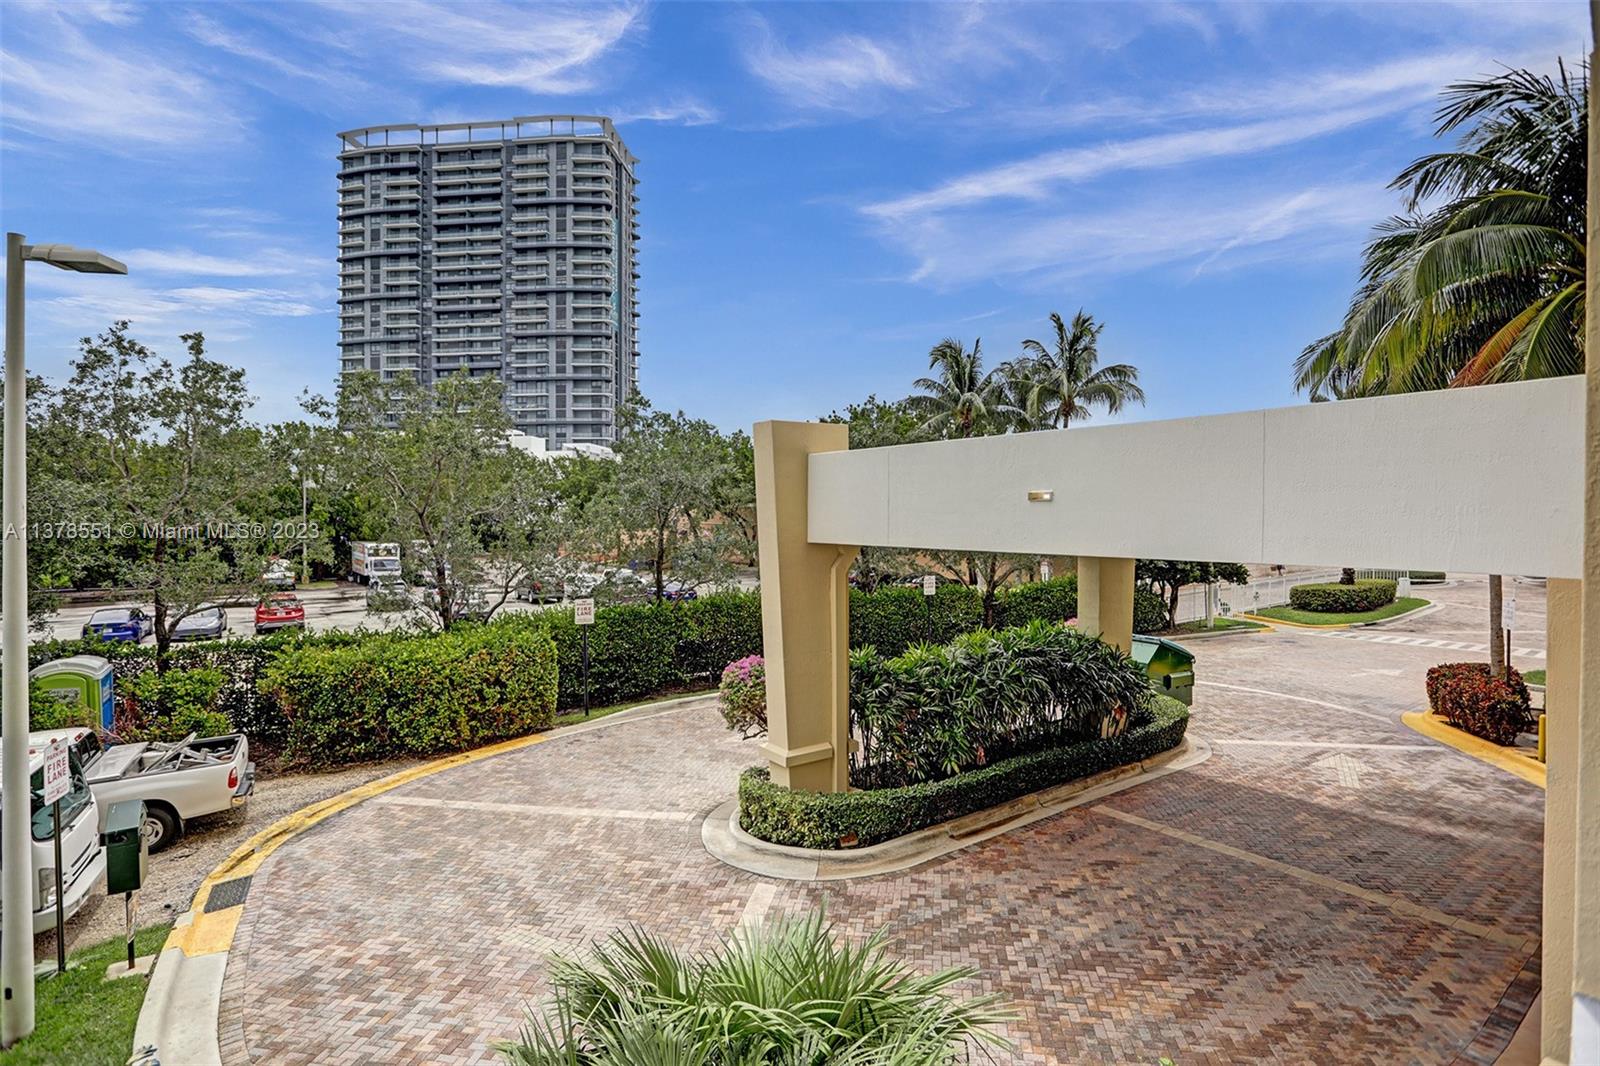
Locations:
119 623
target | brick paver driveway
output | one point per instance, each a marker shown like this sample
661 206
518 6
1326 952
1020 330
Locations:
1328 887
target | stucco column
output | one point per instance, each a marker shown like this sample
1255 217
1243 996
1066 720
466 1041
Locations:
1563 631
805 614
1105 599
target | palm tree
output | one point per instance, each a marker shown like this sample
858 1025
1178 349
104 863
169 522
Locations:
962 400
1487 286
1063 382
781 995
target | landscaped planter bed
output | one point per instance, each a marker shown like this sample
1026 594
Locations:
834 820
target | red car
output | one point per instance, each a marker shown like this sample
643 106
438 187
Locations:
278 611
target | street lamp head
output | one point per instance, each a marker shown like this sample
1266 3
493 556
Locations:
65 256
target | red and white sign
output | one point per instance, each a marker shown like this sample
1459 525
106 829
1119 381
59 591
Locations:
57 775
583 612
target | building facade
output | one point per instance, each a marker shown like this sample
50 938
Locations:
496 248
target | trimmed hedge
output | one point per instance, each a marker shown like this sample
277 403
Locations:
1334 598
1469 698
242 662
828 820
638 650
414 695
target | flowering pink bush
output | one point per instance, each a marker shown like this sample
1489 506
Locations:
743 695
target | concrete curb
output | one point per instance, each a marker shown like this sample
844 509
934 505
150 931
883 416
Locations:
1218 634
1509 760
728 843
184 998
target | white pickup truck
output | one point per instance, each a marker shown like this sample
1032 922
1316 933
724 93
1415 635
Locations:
83 859
177 782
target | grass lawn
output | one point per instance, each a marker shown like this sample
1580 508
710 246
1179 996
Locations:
1217 625
1533 677
577 718
1333 618
81 1019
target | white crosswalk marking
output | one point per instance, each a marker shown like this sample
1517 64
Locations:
1424 642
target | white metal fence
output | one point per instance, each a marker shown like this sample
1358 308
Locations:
1240 599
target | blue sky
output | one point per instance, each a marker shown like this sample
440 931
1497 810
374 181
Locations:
826 189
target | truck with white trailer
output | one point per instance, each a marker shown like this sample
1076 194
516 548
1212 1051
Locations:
371 559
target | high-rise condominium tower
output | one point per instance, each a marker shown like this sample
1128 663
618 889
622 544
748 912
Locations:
495 248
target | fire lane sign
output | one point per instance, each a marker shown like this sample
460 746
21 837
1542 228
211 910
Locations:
583 612
57 776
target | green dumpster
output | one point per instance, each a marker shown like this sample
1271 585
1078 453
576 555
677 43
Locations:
1169 666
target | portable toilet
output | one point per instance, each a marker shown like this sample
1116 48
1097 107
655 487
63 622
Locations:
88 677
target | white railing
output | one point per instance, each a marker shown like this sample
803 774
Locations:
1270 591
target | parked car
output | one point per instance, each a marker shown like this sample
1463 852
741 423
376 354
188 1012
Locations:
83 860
542 588
278 575
279 610
177 782
388 594
677 592
207 622
119 623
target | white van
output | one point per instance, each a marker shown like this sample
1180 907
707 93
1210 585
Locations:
83 859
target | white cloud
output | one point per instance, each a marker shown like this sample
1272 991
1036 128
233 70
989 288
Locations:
60 83
1034 178
829 75
266 263
551 48
682 112
1222 227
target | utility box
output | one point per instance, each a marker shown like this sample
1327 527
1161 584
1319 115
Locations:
1169 666
127 853
87 678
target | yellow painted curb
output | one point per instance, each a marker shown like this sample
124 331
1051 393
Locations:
1297 625
209 933
1511 760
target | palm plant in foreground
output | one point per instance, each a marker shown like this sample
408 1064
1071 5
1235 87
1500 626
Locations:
1064 381
1483 280
790 994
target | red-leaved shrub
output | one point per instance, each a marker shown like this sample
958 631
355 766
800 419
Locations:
1465 694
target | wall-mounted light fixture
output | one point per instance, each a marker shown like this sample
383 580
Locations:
1041 495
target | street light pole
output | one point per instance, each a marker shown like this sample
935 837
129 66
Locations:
16 858
305 542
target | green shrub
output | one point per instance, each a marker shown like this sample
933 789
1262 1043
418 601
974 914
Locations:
56 709
1469 698
1149 613
1055 600
170 705
1334 598
416 695
937 710
855 819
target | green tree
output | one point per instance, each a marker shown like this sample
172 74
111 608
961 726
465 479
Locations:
169 451
662 493
960 399
1166 577
470 512
733 498
1482 281
1062 383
